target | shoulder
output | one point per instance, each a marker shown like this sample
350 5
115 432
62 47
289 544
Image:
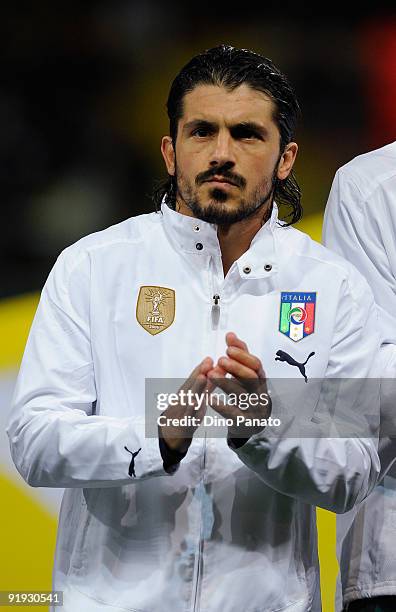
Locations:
370 171
75 260
307 253
131 231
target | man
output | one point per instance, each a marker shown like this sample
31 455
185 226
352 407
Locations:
215 286
360 224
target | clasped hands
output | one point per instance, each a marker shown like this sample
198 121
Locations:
238 373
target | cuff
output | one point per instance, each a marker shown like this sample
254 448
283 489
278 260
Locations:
171 458
235 443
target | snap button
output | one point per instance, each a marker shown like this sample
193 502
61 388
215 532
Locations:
199 246
247 270
196 228
268 267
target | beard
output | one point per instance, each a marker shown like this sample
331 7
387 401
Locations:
215 208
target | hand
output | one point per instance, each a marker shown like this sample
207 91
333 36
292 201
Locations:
247 383
178 438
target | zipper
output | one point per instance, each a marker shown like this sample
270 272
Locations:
215 319
198 564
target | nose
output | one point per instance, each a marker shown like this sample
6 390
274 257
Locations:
223 151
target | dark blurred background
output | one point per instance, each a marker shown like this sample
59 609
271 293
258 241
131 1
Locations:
82 106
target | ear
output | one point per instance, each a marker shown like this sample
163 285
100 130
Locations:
168 153
287 160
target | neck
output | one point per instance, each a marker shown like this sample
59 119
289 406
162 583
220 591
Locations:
235 239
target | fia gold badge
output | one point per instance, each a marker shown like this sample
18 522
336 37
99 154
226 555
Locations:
155 308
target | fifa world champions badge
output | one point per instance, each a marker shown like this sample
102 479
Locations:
297 314
155 308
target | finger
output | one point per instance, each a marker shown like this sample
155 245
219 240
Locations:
206 365
247 378
228 385
199 383
247 359
215 374
216 401
255 363
222 408
237 369
209 385
195 374
233 340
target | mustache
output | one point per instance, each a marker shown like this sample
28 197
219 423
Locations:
223 171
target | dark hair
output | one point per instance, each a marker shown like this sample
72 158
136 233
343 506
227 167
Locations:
230 67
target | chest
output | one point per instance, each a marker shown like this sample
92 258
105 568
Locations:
160 316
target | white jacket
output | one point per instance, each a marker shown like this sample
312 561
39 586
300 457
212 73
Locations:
360 224
230 530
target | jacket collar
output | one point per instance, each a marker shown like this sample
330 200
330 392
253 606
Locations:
200 238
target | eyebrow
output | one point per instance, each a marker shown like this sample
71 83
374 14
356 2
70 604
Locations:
246 125
196 123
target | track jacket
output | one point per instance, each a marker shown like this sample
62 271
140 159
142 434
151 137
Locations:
360 224
230 530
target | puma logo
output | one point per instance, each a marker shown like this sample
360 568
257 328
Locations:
282 356
131 470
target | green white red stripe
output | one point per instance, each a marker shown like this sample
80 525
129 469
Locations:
297 314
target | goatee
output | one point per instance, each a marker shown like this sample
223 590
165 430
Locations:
216 210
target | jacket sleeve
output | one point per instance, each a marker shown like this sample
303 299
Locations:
56 439
326 466
361 229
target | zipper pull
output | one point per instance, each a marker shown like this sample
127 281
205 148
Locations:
215 310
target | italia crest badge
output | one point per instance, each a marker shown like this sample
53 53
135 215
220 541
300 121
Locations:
155 308
297 314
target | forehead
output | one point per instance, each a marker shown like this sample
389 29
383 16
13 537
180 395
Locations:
214 103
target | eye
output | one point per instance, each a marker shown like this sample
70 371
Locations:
245 133
202 132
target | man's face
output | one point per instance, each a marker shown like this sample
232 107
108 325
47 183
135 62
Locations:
227 153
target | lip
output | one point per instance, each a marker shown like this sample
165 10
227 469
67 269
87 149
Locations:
220 180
